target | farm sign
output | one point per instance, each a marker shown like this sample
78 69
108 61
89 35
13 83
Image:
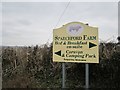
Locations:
75 42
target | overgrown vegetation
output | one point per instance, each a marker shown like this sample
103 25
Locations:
32 67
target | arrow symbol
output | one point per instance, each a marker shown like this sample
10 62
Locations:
58 53
92 45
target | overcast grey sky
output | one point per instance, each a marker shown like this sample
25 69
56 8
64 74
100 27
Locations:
31 23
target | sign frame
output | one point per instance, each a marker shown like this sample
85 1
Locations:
76 42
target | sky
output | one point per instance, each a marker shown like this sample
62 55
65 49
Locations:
31 23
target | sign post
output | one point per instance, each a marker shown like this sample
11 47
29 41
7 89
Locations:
75 42
87 76
63 75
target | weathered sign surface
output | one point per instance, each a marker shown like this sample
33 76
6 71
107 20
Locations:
76 42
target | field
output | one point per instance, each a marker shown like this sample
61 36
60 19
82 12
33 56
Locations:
32 67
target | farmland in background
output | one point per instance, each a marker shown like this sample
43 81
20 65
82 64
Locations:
32 67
